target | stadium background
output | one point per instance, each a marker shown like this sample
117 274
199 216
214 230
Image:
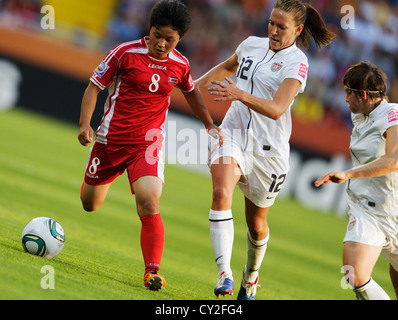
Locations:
47 70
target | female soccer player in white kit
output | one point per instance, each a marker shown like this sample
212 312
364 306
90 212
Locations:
270 73
373 199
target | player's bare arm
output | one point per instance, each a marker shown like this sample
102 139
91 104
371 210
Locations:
382 166
195 101
219 72
333 176
270 108
89 101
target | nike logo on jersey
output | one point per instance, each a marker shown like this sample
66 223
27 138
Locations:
156 66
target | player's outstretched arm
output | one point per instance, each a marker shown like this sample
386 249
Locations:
273 109
89 102
379 167
195 101
219 72
333 176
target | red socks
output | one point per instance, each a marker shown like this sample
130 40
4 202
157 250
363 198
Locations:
152 241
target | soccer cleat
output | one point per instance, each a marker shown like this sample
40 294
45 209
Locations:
247 289
154 281
225 285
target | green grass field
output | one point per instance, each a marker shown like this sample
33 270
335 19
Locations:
41 171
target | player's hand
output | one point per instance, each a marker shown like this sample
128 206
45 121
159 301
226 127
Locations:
333 176
85 135
226 91
216 133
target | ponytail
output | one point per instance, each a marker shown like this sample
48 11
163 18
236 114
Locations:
315 28
307 15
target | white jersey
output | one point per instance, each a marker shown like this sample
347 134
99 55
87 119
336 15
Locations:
261 71
378 195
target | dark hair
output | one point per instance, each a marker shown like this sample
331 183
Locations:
368 77
172 13
307 15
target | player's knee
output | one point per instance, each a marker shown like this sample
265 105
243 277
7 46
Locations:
258 231
221 196
356 279
358 282
90 206
147 206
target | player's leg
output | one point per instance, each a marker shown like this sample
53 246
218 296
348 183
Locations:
391 254
257 238
92 196
394 279
104 164
225 175
359 260
148 190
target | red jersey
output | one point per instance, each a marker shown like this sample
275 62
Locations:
139 87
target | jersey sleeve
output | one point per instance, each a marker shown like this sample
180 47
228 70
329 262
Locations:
298 70
186 83
103 75
390 118
241 46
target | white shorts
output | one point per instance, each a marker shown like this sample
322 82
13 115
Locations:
367 228
262 177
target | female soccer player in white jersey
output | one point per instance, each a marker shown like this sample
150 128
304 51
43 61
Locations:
373 199
139 76
270 73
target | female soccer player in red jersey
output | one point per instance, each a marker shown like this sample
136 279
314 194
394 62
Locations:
139 76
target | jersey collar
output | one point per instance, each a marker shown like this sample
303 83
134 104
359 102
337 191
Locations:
144 42
378 109
284 50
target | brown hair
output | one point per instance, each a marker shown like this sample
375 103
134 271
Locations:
368 77
307 15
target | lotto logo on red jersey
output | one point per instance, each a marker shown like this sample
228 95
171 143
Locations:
393 116
303 70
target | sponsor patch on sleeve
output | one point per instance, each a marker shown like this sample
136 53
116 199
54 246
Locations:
303 70
101 69
190 80
392 116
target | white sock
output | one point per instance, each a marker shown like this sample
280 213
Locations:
222 238
255 255
371 291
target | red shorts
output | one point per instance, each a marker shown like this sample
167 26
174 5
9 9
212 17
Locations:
106 162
